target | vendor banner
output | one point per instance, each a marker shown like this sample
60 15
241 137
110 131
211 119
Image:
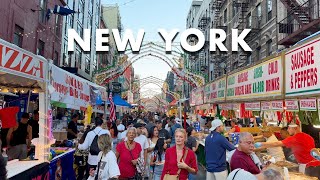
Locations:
17 61
302 69
291 105
266 106
215 91
262 80
226 106
69 88
255 106
308 105
277 105
197 96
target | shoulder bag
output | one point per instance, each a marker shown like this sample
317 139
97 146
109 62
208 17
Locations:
137 175
176 176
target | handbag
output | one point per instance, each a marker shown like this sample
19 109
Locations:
175 176
81 157
138 175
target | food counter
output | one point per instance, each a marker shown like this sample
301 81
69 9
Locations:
18 170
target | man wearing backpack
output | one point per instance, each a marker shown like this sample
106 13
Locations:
91 143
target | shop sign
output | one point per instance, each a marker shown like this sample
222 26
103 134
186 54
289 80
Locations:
15 60
197 96
226 106
292 105
303 68
277 105
98 109
308 105
265 106
263 80
252 106
69 88
215 91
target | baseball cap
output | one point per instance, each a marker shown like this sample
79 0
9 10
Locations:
137 125
215 123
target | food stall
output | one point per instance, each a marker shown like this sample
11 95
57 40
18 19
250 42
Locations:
21 69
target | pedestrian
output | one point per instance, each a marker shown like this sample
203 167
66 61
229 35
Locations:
179 160
157 159
107 166
91 143
269 174
163 133
241 158
127 153
192 141
176 123
143 141
72 127
152 141
215 142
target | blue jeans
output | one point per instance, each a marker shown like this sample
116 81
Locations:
191 176
156 177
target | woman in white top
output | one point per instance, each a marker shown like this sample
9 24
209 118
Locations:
107 167
152 140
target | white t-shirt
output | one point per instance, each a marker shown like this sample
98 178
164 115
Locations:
143 141
167 128
275 152
120 127
241 174
108 167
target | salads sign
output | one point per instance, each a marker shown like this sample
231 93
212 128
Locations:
252 106
263 80
215 91
302 69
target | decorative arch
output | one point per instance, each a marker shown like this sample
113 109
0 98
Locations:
150 49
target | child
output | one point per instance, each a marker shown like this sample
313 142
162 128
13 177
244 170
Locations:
157 159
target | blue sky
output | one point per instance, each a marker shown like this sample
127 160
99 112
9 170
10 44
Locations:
151 15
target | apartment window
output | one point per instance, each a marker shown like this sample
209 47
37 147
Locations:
65 54
211 75
81 11
17 36
40 49
42 10
258 53
249 20
79 29
249 58
269 9
234 9
58 25
78 58
225 14
89 21
269 47
87 65
259 15
56 58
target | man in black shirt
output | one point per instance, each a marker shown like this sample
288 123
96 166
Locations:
34 123
72 127
163 133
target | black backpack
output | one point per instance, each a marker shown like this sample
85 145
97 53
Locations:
94 148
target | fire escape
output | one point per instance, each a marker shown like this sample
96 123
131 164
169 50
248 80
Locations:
302 20
218 58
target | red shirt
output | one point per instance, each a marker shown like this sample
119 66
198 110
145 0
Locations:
127 169
301 145
236 128
243 161
170 163
8 117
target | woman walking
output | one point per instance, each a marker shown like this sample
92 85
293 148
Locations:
152 140
179 160
157 159
107 166
127 153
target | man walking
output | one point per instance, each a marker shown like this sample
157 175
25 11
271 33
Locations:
91 143
215 150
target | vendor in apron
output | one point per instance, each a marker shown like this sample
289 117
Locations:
301 144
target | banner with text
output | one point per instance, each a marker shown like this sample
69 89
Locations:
266 106
69 88
197 96
252 106
292 105
215 91
277 105
262 80
226 106
308 105
302 64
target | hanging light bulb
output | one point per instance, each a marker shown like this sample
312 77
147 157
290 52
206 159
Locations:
15 90
22 91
